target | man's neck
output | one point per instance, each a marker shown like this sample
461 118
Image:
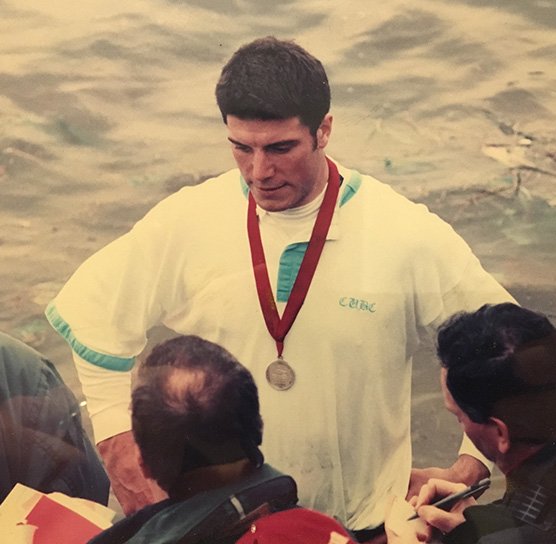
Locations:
516 456
212 477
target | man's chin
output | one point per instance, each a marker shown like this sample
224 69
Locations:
269 206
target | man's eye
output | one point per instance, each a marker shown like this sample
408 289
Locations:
281 149
242 148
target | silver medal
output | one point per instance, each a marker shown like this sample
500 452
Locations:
280 375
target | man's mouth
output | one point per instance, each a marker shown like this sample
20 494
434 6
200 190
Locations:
269 189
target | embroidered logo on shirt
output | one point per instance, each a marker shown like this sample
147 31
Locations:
357 304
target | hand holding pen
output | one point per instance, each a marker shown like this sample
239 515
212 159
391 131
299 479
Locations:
449 501
445 514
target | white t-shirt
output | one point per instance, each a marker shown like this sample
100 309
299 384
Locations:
389 270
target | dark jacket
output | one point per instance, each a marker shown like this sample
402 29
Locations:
218 516
525 515
42 441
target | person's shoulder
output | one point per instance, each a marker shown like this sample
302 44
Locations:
375 198
8 344
494 524
215 194
484 523
213 191
15 355
219 187
371 190
268 472
126 528
416 232
20 368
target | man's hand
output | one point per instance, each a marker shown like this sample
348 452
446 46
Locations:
466 470
401 531
443 521
121 460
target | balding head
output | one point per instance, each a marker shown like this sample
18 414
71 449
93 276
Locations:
194 406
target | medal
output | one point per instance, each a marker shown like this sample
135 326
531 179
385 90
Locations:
280 375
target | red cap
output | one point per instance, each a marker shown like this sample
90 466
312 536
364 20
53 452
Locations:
296 526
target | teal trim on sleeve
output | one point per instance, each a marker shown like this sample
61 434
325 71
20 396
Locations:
120 364
352 186
290 262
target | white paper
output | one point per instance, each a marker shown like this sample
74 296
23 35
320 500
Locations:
398 522
22 499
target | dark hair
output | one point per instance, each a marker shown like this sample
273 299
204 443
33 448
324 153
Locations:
195 405
274 79
501 361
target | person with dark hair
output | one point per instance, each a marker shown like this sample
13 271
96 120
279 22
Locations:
43 444
320 279
195 418
270 79
499 379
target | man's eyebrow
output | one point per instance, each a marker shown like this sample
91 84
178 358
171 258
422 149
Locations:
236 142
280 143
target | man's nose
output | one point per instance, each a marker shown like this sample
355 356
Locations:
262 166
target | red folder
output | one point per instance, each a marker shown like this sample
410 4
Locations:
55 523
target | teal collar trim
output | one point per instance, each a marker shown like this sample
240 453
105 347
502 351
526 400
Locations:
290 263
291 258
350 188
244 186
63 328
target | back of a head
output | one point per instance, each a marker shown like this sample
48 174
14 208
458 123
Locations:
274 79
296 526
194 406
500 362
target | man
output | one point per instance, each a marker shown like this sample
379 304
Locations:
499 380
42 442
196 420
221 260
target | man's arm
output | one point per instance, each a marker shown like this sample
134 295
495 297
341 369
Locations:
104 312
108 395
474 287
122 462
466 469
470 467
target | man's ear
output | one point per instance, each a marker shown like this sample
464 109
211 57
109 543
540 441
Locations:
324 130
501 435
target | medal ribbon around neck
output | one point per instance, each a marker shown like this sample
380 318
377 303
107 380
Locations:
278 328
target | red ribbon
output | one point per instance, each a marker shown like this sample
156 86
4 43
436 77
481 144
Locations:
278 328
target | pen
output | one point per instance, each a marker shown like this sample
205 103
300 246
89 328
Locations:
447 502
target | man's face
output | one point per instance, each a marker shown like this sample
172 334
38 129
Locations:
281 161
481 434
